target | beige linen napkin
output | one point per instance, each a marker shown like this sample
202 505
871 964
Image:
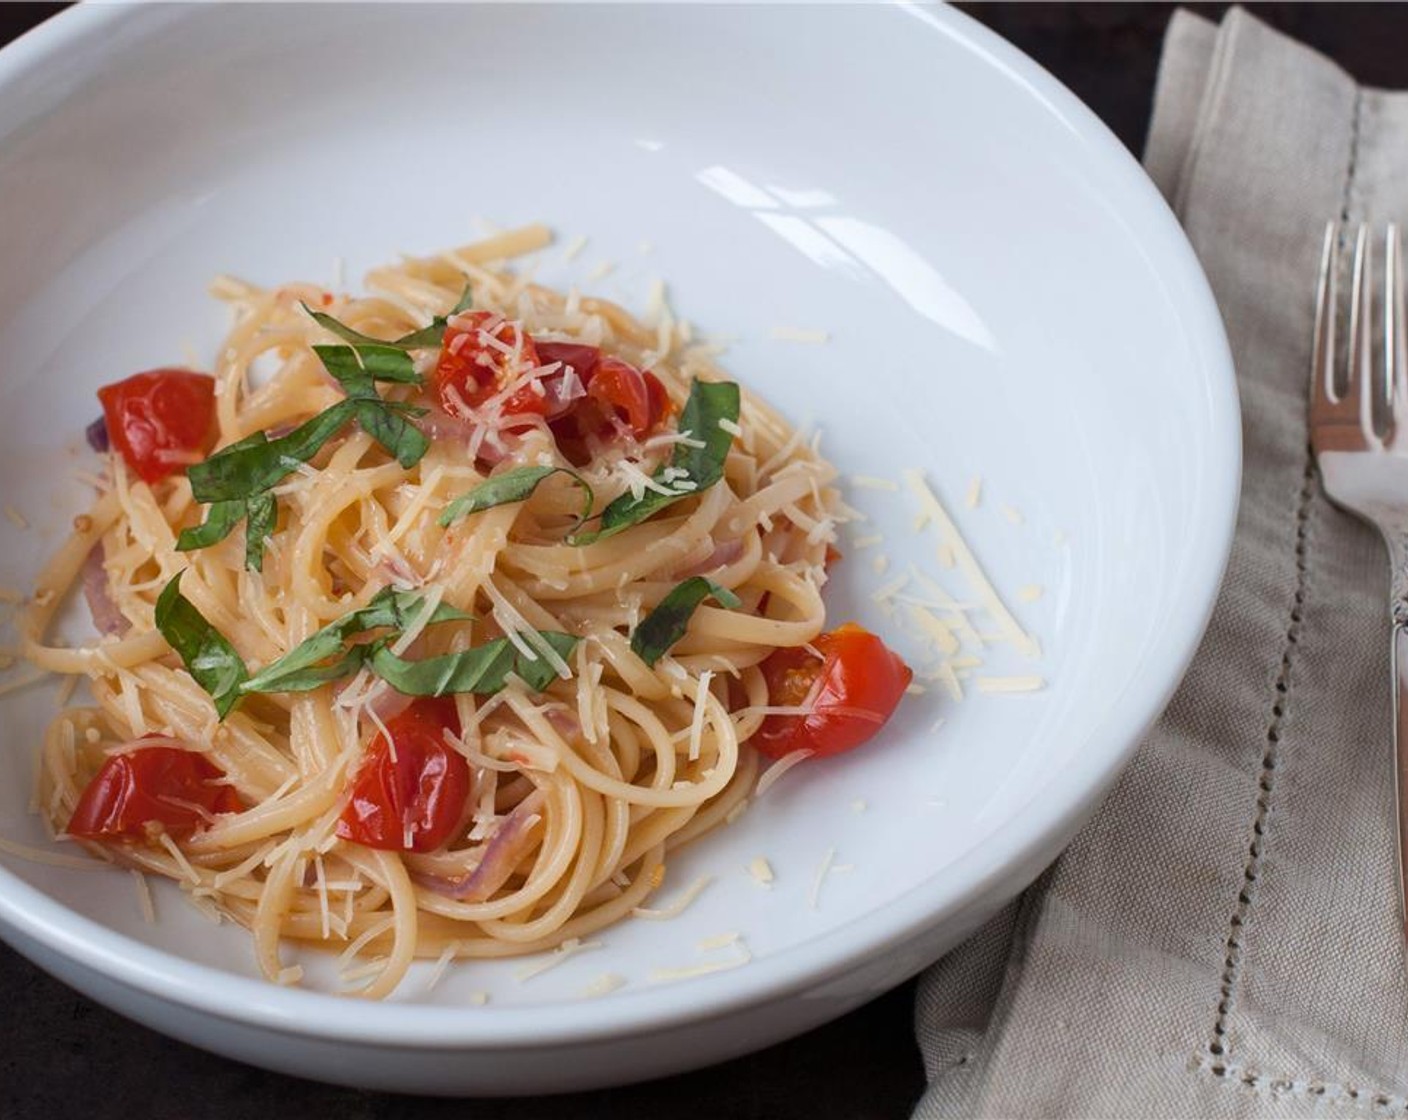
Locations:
1223 940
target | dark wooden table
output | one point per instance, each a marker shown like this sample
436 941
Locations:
63 1056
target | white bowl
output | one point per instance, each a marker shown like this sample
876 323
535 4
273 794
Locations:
1006 294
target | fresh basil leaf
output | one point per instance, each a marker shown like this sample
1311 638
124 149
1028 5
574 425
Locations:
667 623
708 403
220 521
261 514
386 363
358 368
356 337
309 677
537 674
464 303
512 486
236 479
388 608
206 653
423 338
482 670
401 439
251 467
258 463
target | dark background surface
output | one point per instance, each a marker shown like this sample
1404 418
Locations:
63 1056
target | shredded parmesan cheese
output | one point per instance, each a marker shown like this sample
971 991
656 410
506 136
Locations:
742 957
696 727
761 870
800 334
16 517
180 857
144 897
568 949
679 905
52 859
870 482
442 964
966 561
821 874
511 620
575 246
604 984
1010 684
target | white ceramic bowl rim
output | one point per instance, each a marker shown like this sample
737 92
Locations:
945 893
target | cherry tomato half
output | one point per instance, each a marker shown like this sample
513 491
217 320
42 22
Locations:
414 801
618 398
140 792
479 358
623 393
161 420
853 689
582 358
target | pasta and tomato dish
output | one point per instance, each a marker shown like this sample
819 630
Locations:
432 620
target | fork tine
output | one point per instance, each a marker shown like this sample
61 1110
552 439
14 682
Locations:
1356 397
1322 363
1395 360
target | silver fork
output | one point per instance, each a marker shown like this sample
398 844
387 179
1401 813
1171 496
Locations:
1359 432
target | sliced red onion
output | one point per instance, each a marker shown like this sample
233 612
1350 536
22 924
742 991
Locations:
439 424
96 434
565 722
724 554
106 617
501 854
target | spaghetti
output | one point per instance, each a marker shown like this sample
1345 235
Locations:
381 621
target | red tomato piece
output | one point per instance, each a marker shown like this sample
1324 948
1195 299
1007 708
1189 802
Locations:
140 792
161 420
660 406
415 800
479 358
583 360
621 393
852 689
619 398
